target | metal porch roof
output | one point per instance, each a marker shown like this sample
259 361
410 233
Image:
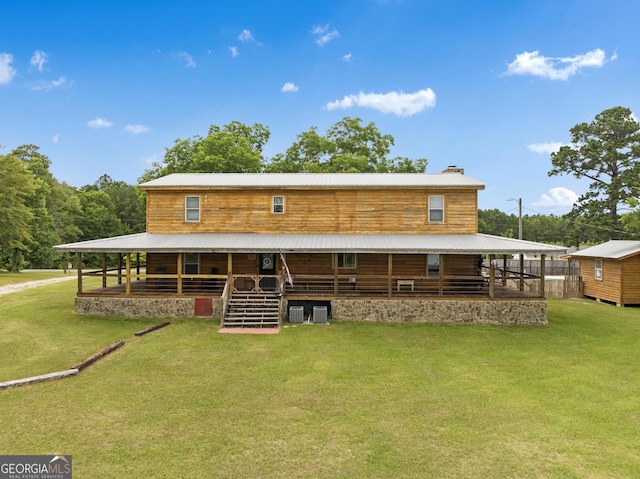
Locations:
310 243
613 249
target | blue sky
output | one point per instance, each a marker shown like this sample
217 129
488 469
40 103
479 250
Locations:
490 86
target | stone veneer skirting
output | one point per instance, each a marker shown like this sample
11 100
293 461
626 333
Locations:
531 311
442 311
142 307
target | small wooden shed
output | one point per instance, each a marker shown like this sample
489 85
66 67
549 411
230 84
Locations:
611 271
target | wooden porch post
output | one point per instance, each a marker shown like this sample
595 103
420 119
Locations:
335 273
389 273
442 273
542 273
521 285
138 266
79 268
119 268
504 270
179 271
127 287
104 270
492 276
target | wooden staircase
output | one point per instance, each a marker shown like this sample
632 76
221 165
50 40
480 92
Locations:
252 310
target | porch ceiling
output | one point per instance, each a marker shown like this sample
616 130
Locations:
310 243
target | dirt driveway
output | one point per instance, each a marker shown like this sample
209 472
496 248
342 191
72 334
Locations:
12 288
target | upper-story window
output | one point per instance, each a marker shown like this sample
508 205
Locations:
278 204
598 268
436 209
192 208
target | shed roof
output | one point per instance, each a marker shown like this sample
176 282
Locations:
310 243
612 249
313 180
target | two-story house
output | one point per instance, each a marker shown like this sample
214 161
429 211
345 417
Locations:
383 247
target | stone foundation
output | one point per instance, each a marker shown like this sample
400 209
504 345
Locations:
530 311
442 311
142 307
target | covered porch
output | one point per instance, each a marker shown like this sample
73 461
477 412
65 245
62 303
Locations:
183 272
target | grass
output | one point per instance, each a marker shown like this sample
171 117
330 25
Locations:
28 275
346 400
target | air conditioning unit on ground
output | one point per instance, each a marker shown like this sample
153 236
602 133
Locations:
296 314
319 314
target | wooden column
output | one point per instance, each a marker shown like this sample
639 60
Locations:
127 287
543 258
334 257
442 273
79 268
492 276
104 270
138 266
119 268
179 271
521 285
389 273
504 270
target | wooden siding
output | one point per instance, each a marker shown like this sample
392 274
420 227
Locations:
366 211
631 280
609 287
410 265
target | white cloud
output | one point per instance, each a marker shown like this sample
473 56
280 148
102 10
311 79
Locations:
38 59
60 83
545 148
100 123
555 68
348 58
55 138
137 129
7 72
287 87
189 63
234 51
557 197
246 36
323 34
398 103
634 117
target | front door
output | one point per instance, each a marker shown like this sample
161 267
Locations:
267 267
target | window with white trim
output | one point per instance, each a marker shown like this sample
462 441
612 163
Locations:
436 209
191 263
278 204
345 260
433 264
192 209
598 268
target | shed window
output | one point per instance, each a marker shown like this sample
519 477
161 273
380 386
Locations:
346 260
598 268
192 208
191 263
436 209
278 204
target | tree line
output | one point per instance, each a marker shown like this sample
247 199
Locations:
38 211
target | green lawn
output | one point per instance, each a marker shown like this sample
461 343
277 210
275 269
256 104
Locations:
349 400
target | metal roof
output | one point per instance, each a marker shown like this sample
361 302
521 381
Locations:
613 249
310 243
313 180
